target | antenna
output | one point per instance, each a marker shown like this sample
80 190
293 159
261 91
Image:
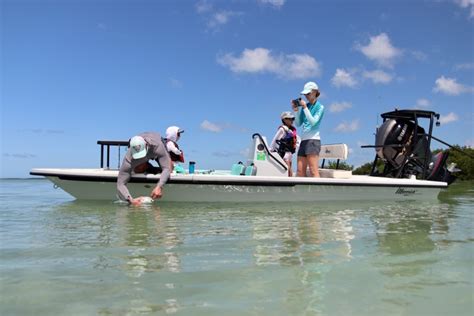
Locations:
379 98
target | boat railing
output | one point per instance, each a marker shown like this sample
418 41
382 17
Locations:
106 144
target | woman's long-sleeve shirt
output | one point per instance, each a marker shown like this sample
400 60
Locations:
310 120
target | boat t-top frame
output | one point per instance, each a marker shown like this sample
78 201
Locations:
414 148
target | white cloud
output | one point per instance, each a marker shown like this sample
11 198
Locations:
448 118
215 18
203 7
337 107
225 153
41 131
256 60
378 76
245 152
102 26
220 18
211 127
381 50
465 66
347 127
261 60
470 143
300 66
353 77
422 103
419 55
450 86
276 3
219 127
343 78
467 4
175 83
19 155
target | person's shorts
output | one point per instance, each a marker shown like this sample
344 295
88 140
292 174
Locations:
288 156
309 147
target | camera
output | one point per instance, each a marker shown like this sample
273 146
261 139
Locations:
296 102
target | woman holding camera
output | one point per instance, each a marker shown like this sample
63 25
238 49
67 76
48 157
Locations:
308 116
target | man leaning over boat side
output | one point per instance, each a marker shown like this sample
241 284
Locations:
143 147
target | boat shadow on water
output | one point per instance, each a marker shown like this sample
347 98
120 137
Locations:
110 222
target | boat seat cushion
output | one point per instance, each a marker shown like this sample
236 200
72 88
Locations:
335 173
334 151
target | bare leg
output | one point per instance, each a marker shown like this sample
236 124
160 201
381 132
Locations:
290 171
313 162
301 167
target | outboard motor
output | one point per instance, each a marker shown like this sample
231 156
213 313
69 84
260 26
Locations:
404 147
394 140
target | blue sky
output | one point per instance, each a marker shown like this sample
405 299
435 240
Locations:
74 72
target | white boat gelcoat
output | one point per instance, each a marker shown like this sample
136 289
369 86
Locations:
100 184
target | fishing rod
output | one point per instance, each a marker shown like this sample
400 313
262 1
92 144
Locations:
452 147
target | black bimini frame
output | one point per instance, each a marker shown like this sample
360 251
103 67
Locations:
107 144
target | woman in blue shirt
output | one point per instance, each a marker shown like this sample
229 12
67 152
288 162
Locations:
308 116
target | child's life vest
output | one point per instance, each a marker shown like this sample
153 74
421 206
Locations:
288 142
173 156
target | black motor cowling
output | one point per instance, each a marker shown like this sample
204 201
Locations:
394 141
404 147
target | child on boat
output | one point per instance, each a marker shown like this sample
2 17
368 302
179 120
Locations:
285 140
173 134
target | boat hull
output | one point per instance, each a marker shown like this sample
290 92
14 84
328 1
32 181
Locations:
101 185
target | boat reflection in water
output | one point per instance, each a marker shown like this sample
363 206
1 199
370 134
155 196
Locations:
275 257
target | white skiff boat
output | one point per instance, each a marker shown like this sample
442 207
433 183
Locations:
409 173
100 184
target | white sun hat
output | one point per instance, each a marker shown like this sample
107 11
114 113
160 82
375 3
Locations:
309 86
172 132
286 115
138 147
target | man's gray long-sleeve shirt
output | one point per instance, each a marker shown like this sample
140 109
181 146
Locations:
156 151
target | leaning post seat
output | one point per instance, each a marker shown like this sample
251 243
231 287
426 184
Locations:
262 161
334 151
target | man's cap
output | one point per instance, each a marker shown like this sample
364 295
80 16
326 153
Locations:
309 86
138 147
286 115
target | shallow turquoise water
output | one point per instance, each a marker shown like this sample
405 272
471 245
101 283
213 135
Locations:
63 257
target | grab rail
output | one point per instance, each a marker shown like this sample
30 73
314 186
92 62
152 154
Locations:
108 143
268 151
